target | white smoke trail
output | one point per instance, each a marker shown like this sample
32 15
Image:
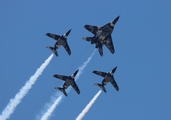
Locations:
52 105
23 91
86 109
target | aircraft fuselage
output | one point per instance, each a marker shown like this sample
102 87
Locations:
68 82
108 78
61 41
101 34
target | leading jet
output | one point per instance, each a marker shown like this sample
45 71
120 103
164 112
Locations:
61 41
69 80
102 36
108 77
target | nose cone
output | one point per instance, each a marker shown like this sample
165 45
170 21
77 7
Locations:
68 32
75 73
115 20
114 70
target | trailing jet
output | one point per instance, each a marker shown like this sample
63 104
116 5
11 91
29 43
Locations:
108 77
61 41
69 80
102 36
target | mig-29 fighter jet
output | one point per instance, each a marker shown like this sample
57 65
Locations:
102 35
61 41
108 77
69 80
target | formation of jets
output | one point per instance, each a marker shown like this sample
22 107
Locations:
102 36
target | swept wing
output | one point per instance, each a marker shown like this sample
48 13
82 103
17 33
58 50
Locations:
92 29
103 74
74 85
114 84
54 36
62 77
109 44
67 48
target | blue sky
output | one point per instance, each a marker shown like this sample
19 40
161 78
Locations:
142 54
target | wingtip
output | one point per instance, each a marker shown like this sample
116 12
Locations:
85 26
47 34
54 75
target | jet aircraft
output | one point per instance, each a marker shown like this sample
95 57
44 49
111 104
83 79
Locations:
61 41
69 80
102 36
108 77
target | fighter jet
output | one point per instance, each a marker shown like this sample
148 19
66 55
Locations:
69 80
108 77
61 41
102 36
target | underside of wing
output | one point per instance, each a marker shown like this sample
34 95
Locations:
74 85
113 82
67 48
92 29
54 36
62 77
103 74
109 44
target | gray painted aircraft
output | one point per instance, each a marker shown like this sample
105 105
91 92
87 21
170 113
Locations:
108 77
61 41
69 80
102 36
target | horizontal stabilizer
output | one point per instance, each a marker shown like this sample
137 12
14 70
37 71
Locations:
53 50
62 90
101 86
87 38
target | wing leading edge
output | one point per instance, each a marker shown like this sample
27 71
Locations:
62 77
54 36
92 29
103 74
